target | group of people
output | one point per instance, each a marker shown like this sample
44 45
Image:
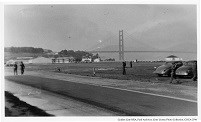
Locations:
124 66
22 67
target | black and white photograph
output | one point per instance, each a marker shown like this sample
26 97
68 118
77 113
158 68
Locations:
127 61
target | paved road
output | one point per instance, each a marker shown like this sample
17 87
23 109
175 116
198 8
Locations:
55 104
133 103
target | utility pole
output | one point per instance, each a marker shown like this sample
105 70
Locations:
121 46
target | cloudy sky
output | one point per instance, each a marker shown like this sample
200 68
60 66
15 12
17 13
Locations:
81 27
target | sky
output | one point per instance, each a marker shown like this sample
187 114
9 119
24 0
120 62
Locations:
87 26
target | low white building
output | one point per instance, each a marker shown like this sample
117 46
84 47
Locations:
10 62
25 60
172 58
97 60
29 60
41 60
86 59
63 60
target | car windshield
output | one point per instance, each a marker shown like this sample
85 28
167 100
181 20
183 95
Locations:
170 63
189 63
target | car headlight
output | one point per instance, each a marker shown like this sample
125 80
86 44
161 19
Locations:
188 71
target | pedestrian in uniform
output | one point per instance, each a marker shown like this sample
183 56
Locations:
22 68
173 70
15 68
124 68
195 72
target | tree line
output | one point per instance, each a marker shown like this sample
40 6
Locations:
78 55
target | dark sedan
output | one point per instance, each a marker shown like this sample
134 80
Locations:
165 69
187 69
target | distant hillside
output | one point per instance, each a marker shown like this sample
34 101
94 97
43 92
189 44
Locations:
14 52
26 50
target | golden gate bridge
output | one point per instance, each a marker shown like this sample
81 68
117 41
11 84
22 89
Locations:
121 38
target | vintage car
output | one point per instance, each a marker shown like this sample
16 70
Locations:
165 69
187 69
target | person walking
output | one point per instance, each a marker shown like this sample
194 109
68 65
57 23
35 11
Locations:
195 72
15 68
124 68
173 70
22 68
131 64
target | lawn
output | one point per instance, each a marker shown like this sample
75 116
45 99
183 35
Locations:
141 71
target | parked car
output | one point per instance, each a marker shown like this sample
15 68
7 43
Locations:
187 69
165 69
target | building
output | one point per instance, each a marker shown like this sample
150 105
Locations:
41 60
86 59
10 62
25 60
63 60
97 60
29 60
172 58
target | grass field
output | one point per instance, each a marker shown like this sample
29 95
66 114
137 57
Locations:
141 71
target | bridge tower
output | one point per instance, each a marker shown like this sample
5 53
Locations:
121 46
